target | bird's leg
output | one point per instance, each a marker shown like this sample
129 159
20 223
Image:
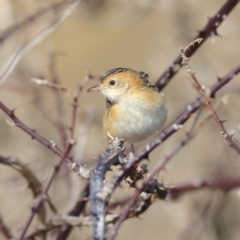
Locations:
114 142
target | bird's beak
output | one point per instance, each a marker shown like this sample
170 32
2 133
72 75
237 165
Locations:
95 88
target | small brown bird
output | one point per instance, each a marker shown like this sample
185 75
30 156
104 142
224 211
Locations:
135 107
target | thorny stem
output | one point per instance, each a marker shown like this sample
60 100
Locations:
42 197
77 209
64 155
202 92
32 132
210 29
59 100
32 18
5 230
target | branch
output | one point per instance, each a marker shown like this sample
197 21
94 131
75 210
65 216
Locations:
32 19
64 155
11 63
196 185
202 91
209 30
33 183
5 230
98 203
77 209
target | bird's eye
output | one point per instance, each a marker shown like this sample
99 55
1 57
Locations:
112 83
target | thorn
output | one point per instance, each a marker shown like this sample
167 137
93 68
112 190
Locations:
108 168
223 121
12 112
231 136
164 169
215 33
212 95
146 156
219 79
201 32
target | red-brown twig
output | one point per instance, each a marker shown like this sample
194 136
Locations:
32 132
203 92
5 230
61 115
76 210
81 171
33 18
64 155
195 185
209 30
14 59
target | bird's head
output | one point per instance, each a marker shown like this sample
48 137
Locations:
117 83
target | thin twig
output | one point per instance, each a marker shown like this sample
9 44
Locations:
209 30
33 182
32 19
76 210
67 150
203 92
5 230
11 63
61 115
196 185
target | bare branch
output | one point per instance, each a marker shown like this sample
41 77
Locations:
204 92
209 30
33 18
67 150
196 185
11 63
5 230
77 209
33 183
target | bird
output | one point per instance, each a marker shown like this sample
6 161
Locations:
136 109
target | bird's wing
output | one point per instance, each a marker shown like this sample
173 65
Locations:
144 76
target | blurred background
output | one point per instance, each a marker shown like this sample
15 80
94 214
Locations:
100 35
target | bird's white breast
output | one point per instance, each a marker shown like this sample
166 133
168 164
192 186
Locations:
139 120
